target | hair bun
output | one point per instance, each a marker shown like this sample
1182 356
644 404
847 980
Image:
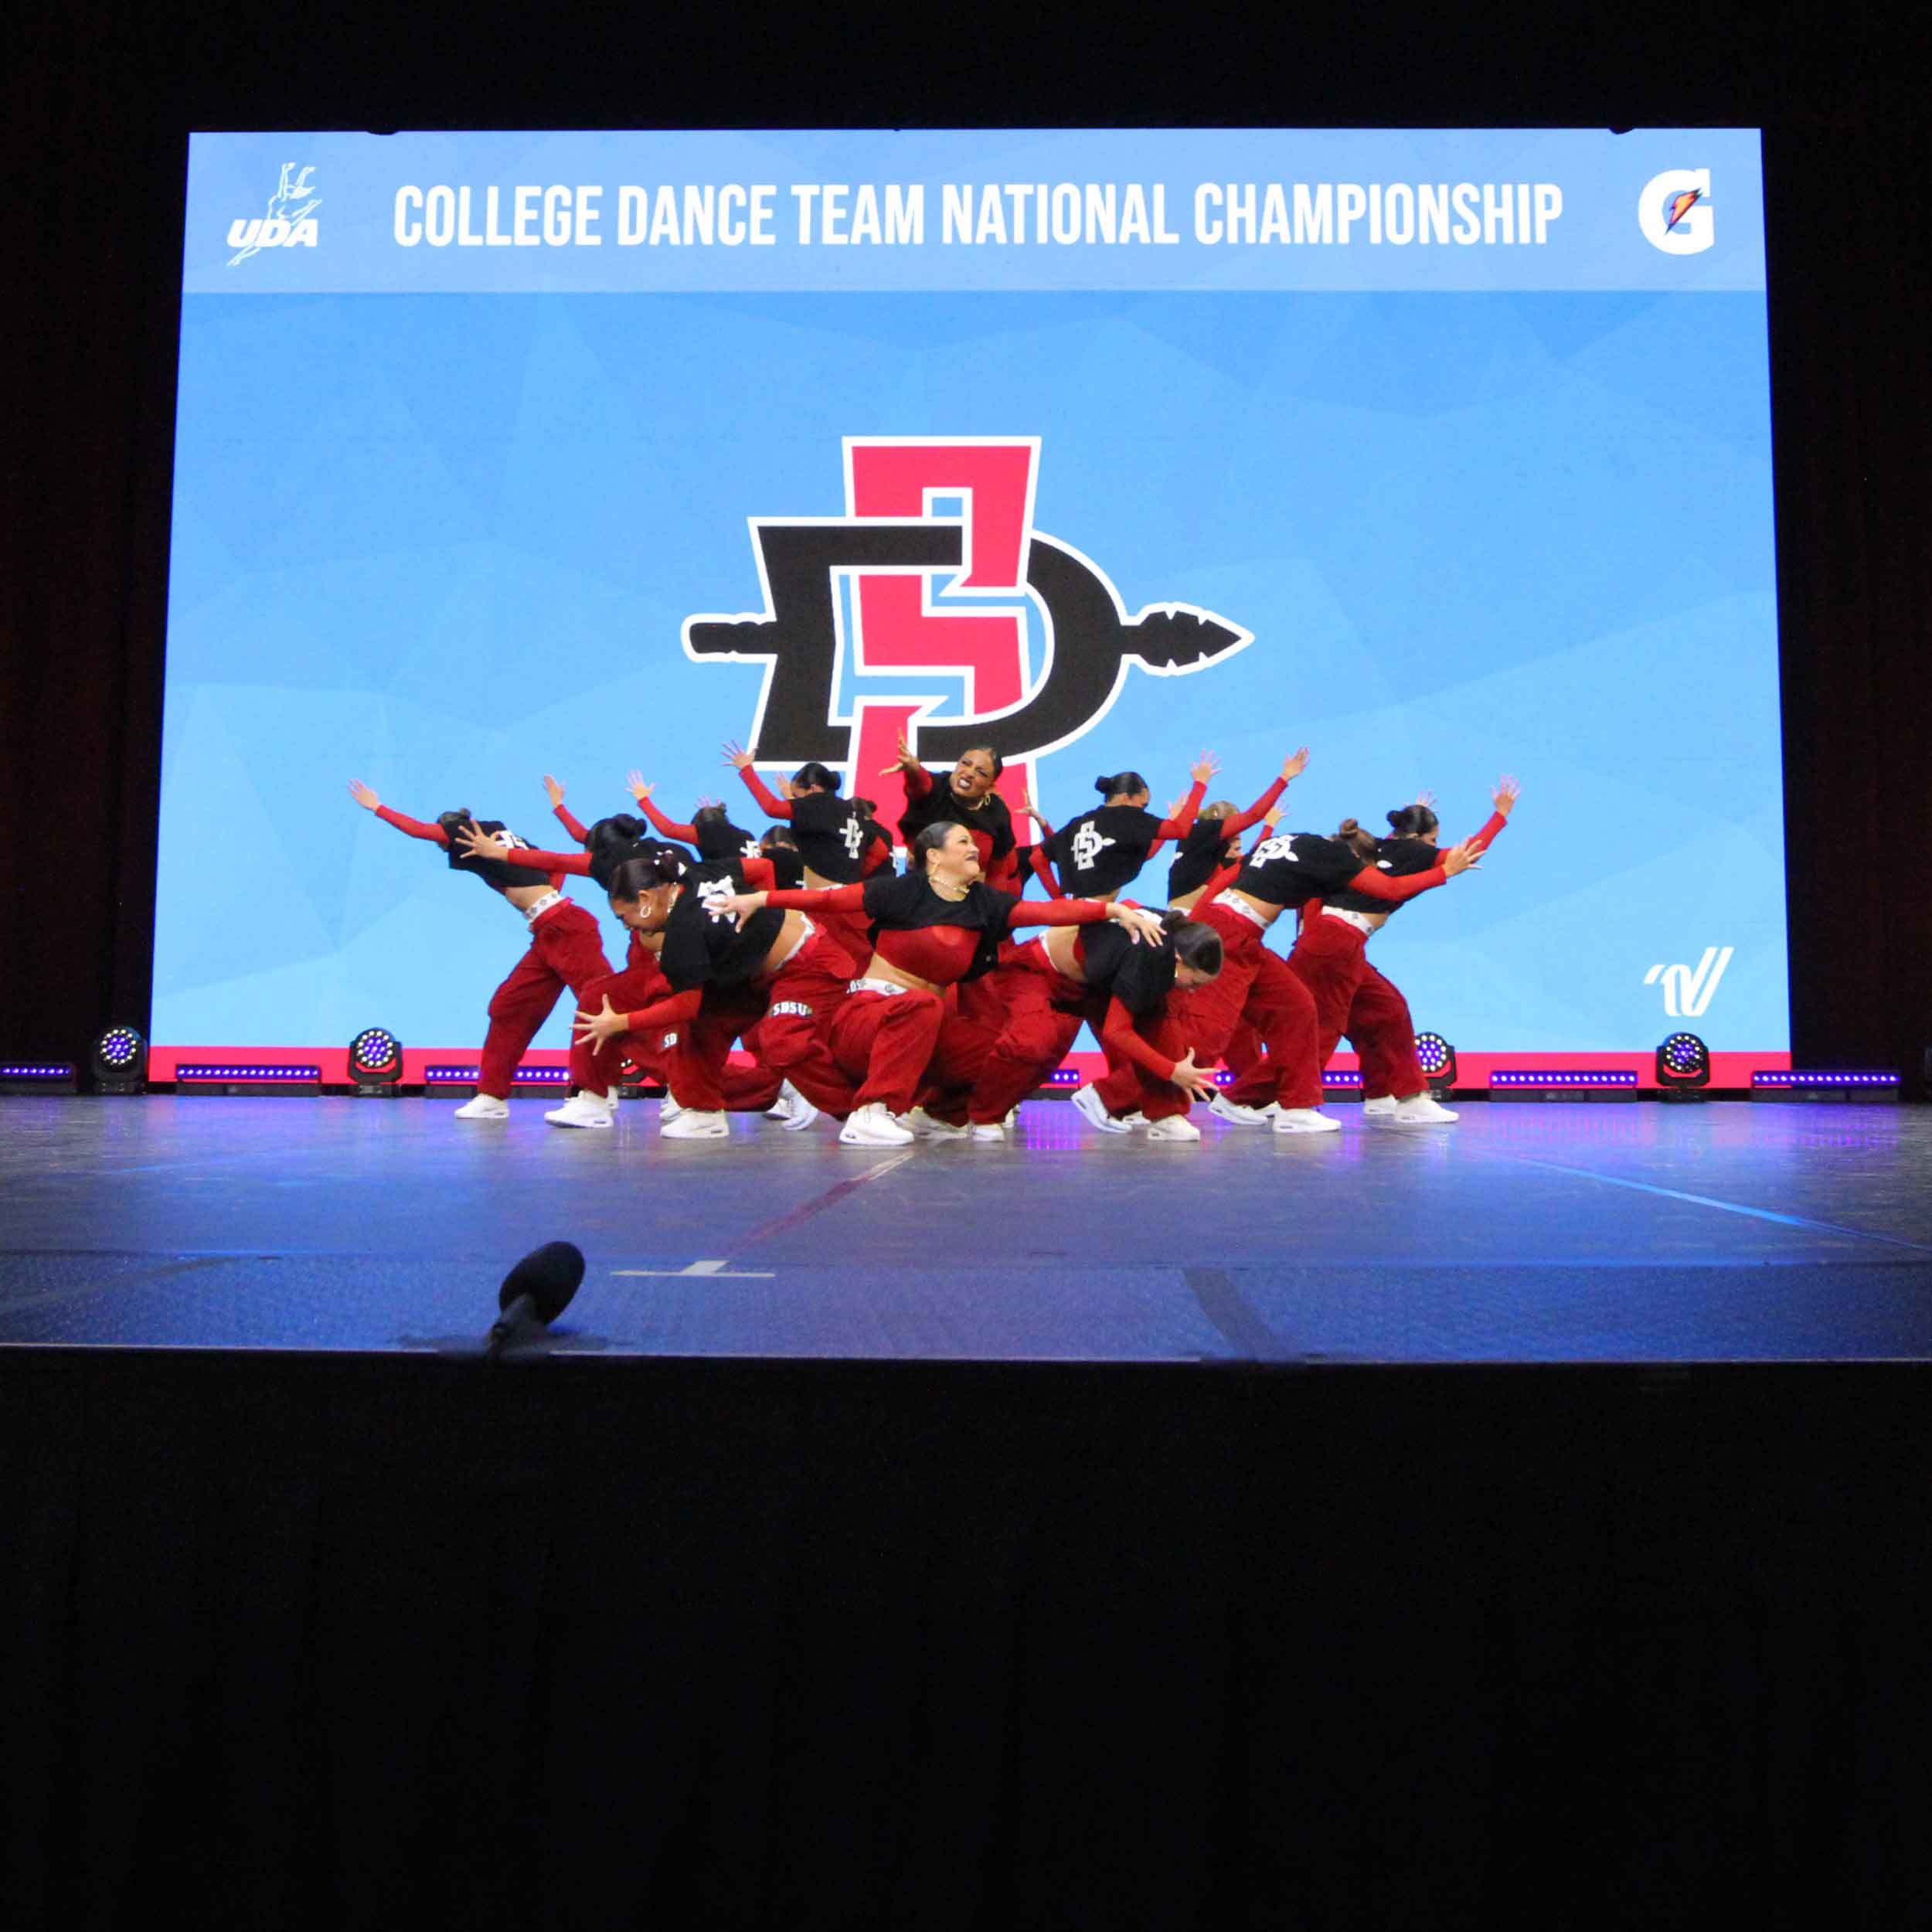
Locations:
1347 829
1104 786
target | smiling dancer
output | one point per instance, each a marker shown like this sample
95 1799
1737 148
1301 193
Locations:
565 950
937 925
1101 852
1283 870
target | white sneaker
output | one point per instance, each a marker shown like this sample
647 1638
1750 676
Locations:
1094 1110
794 1112
667 1111
1303 1120
1379 1109
1419 1109
1137 1118
1227 1110
927 1128
485 1106
1176 1127
871 1126
1012 1117
989 1130
581 1109
689 1124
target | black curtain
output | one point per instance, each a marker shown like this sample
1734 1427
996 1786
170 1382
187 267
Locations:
305 1641
101 96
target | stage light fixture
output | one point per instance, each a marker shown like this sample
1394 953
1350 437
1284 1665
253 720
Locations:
37 1076
376 1062
120 1061
1437 1059
1683 1067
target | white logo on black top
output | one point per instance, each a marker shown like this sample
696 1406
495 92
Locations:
854 836
712 893
1687 994
1088 845
751 849
290 222
1280 846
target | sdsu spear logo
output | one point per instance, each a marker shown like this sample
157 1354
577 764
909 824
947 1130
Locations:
937 534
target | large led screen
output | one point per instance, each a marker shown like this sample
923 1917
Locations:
1444 454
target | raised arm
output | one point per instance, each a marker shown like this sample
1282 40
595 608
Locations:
918 781
1043 869
1177 825
565 817
775 807
665 828
414 827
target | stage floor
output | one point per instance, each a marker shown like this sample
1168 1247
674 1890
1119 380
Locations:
1625 1231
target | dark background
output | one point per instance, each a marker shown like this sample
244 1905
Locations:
102 98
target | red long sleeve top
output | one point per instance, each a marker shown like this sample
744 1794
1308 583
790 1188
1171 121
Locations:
940 955
534 861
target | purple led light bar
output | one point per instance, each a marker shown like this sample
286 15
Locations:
1563 1076
47 1073
282 1076
448 1076
1794 1077
1340 1076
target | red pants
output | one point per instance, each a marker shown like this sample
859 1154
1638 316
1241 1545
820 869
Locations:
786 1020
1254 985
1169 1032
1385 1038
594 1068
902 1046
565 950
1331 959
1041 1013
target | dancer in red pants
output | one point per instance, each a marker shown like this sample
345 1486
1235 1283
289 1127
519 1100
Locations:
938 925
1350 996
1072 976
565 950
774 975
1255 985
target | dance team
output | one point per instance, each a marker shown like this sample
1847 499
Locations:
911 1004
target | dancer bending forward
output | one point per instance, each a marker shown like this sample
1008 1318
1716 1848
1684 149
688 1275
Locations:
1255 985
774 980
938 925
1071 975
565 950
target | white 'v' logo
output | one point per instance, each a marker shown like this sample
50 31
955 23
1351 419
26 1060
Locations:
1687 994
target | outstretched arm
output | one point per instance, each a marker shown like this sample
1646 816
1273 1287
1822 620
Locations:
1177 825
414 827
775 807
666 828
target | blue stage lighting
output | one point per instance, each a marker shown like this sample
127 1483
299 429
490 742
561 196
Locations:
376 1061
1437 1059
120 1061
1683 1066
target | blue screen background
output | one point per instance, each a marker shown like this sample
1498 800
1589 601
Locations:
444 543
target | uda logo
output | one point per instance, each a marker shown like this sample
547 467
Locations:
936 576
1687 994
1674 211
290 222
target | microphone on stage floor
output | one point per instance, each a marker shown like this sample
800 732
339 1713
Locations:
535 1293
